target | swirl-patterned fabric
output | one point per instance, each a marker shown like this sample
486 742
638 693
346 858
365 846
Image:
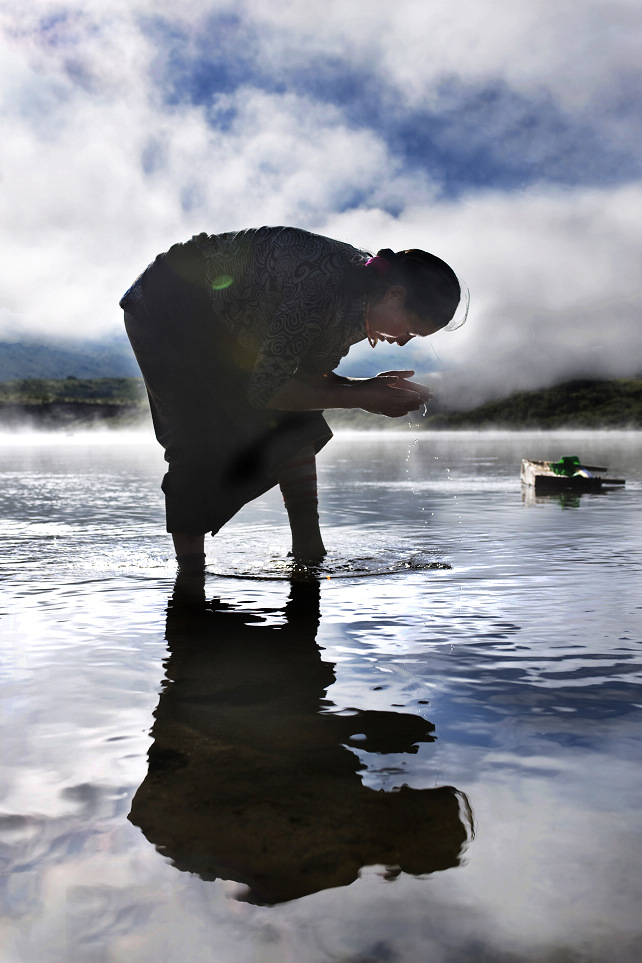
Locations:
278 291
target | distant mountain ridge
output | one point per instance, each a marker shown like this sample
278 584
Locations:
110 357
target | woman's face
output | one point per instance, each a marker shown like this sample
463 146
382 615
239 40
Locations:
389 319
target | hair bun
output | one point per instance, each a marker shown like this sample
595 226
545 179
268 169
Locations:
387 254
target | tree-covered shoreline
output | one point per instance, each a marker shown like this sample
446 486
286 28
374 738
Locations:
581 404
121 402
62 403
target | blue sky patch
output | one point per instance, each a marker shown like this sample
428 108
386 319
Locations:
473 137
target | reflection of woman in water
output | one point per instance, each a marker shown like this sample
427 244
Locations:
238 336
249 775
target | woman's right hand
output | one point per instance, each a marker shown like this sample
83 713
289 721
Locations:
381 396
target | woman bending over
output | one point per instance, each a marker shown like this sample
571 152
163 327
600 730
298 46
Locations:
237 336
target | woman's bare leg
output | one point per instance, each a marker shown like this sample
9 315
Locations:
190 551
298 484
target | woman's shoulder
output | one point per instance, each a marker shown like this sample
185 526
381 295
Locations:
279 240
308 242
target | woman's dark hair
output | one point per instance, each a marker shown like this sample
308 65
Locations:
433 290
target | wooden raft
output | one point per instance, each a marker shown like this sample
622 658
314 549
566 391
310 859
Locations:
540 476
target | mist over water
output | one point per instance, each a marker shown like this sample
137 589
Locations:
215 771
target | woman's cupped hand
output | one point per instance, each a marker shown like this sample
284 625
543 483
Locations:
391 393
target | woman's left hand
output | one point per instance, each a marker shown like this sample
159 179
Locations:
424 393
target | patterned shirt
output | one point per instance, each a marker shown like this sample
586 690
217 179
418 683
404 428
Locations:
278 290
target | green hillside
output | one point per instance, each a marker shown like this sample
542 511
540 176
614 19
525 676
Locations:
34 391
63 403
581 403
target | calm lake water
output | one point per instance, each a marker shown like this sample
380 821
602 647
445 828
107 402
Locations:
429 752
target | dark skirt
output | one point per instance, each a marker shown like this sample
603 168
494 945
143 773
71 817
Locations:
221 451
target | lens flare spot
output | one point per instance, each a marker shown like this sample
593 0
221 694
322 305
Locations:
221 282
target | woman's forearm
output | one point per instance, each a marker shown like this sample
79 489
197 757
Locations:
381 395
329 391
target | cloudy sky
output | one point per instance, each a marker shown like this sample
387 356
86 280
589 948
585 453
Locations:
503 136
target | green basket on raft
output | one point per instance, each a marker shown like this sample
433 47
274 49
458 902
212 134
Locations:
568 465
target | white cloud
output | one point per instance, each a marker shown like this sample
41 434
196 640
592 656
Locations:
82 217
553 273
555 288
568 46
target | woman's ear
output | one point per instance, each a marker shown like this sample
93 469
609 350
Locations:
395 295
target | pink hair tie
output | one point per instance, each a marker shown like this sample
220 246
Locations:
381 264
